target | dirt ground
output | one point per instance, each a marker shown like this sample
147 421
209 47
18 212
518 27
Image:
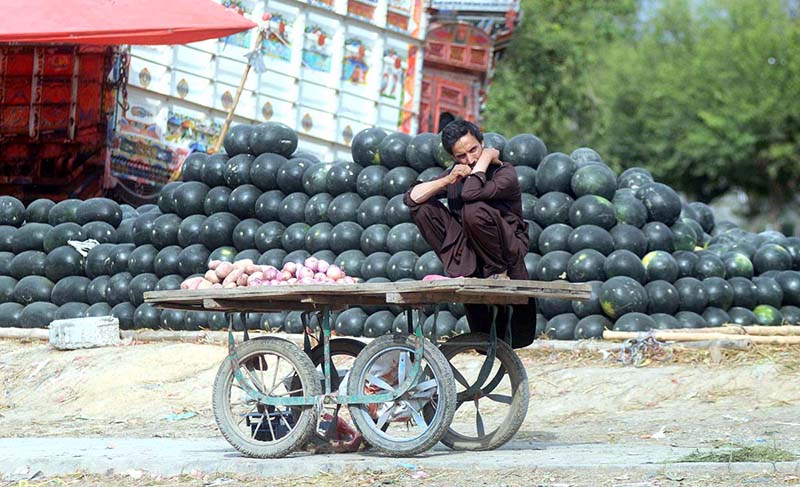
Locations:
692 399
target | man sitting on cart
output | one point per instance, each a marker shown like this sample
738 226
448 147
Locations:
481 231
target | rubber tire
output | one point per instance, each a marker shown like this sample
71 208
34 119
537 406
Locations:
446 402
519 397
306 421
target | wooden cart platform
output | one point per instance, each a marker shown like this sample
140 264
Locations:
336 296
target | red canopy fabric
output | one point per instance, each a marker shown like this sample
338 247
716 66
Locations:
109 22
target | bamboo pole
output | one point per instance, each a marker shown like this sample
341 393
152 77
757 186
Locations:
667 335
784 330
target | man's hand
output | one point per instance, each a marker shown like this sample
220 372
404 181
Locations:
460 171
491 155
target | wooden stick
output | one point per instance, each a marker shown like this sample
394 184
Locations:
731 329
229 118
666 335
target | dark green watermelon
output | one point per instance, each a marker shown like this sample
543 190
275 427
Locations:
251 254
60 234
318 237
370 181
591 306
396 211
790 284
344 207
532 264
269 235
524 150
419 152
692 294
165 230
199 320
5 263
146 317
592 326
343 177
634 322
292 209
659 237
70 289
37 315
189 198
586 265
716 316
428 264
494 140
124 313
192 168
294 237
217 230
7 286
216 200
237 170
69 311
662 297
101 231
213 170
63 211
371 211
264 171
171 282
621 295
768 291
290 175
117 289
444 326
554 173
690 319
585 156
443 158
375 265
99 309
660 265
745 293
139 285
273 257
401 265
551 208
316 209
705 215
244 234
99 210
189 230
268 205
373 239
227 254
634 178
526 176
30 237
28 263
553 266
709 265
562 327
719 292
7 238
392 150
791 315
378 324
398 180
192 260
62 262
429 174
365 144
351 322
590 237
594 179
166 262
237 141
628 237
125 231
350 261
592 210
628 209
686 262
555 237
625 263
662 202
12 211
242 200
771 257
665 321
96 260
345 236
38 211
684 236
272 137
742 316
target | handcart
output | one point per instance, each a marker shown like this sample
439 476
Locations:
403 393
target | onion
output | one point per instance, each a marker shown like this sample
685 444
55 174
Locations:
303 272
335 272
242 281
270 272
322 266
284 276
290 267
312 263
291 280
306 280
274 282
347 280
320 277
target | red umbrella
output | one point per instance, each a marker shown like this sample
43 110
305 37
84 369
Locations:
117 21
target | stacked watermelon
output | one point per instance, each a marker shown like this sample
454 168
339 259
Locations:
654 261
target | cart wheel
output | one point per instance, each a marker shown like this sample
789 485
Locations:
277 368
399 428
488 419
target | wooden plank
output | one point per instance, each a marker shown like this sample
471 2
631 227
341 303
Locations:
463 296
666 335
256 306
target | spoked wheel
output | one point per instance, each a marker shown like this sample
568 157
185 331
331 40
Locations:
277 368
399 428
494 412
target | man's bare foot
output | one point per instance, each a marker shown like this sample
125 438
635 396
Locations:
502 276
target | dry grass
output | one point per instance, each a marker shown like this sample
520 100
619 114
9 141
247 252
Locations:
758 453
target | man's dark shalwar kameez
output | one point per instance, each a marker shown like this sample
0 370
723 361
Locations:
481 234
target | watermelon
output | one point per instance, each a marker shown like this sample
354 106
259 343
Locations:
684 236
165 230
62 262
634 322
317 237
370 181
628 209
217 230
428 264
443 158
660 265
562 327
378 324
197 320
125 231
790 284
634 178
264 171
429 174
692 294
189 230
594 179
552 208
139 285
100 231
62 233
99 210
398 180
590 237
213 170
30 237
268 205
242 201
443 327
343 177
628 237
591 306
526 177
586 265
193 260
745 293
273 257
553 266
142 259
344 207
592 210
365 144
742 316
662 202
664 321
719 292
659 237
768 291
290 175
350 322
716 316
171 282
146 317
705 215
690 319
237 141
192 168
401 237
531 264
792 245
7 286
216 200
529 202
555 237
401 265
345 236
237 170
124 313
524 150
64 211
248 254
791 315
554 173
12 211
10 314
625 263
767 315
662 297
28 263
37 315
534 231
585 156
38 211
686 262
244 234
70 311
621 295
771 256
396 211
316 209
371 211
189 198
737 265
272 137
226 254
494 140
166 262
374 265
591 326
7 238
5 263
709 265
268 236
392 150
419 152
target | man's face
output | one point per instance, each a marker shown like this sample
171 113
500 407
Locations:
467 150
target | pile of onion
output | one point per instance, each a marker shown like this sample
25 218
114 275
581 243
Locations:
244 273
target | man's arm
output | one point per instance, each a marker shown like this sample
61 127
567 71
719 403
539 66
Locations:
504 183
422 192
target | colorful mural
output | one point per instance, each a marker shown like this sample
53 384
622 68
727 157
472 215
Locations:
278 44
242 39
317 49
393 75
355 63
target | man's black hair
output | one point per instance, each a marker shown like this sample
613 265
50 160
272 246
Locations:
456 130
445 119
